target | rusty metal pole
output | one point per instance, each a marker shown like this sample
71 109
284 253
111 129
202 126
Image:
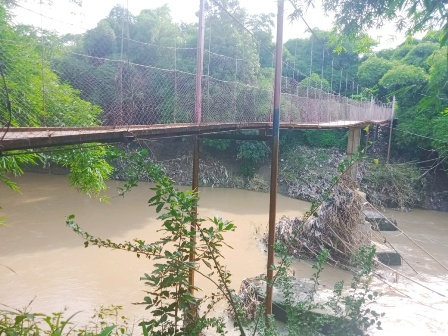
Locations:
274 164
390 130
199 63
197 119
195 186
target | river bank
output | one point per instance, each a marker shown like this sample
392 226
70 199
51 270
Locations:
305 173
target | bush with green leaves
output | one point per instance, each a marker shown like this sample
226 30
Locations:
107 321
173 307
346 312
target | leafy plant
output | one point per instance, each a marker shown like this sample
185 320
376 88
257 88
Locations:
15 322
221 144
14 165
174 308
89 169
346 312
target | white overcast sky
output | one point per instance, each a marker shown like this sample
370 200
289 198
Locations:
69 18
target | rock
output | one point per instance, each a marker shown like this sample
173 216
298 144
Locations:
380 222
387 255
389 258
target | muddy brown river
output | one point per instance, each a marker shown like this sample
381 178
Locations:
52 267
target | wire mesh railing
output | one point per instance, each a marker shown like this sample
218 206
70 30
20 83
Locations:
307 105
123 72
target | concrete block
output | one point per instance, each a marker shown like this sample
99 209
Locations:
379 222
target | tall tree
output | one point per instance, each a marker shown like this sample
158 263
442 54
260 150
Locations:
37 97
352 17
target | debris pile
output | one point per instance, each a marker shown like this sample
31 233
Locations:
338 224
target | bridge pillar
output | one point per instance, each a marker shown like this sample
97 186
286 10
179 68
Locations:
354 140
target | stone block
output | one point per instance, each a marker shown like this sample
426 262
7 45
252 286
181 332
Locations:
380 222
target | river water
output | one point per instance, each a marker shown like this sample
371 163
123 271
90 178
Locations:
52 267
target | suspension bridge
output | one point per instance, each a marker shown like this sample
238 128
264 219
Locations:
142 77
137 88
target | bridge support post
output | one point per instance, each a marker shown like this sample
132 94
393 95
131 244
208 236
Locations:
194 187
354 139
195 179
274 163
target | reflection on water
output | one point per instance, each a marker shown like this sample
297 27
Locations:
55 269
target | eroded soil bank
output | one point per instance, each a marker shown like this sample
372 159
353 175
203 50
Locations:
305 173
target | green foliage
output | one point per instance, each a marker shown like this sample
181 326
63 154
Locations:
253 151
385 53
416 74
289 140
419 54
315 81
100 41
173 307
220 144
45 100
324 52
138 90
48 103
13 164
403 76
107 321
437 84
401 51
372 70
354 17
89 169
346 312
88 165
354 305
440 134
326 138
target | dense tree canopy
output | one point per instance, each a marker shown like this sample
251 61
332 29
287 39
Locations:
353 17
372 70
416 73
38 97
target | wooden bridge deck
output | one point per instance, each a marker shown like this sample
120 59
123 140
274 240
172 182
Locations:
19 138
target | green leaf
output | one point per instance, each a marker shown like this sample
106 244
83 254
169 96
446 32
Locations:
159 207
107 331
207 263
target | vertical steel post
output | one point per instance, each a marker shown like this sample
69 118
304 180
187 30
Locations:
390 131
197 119
199 63
274 164
195 186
